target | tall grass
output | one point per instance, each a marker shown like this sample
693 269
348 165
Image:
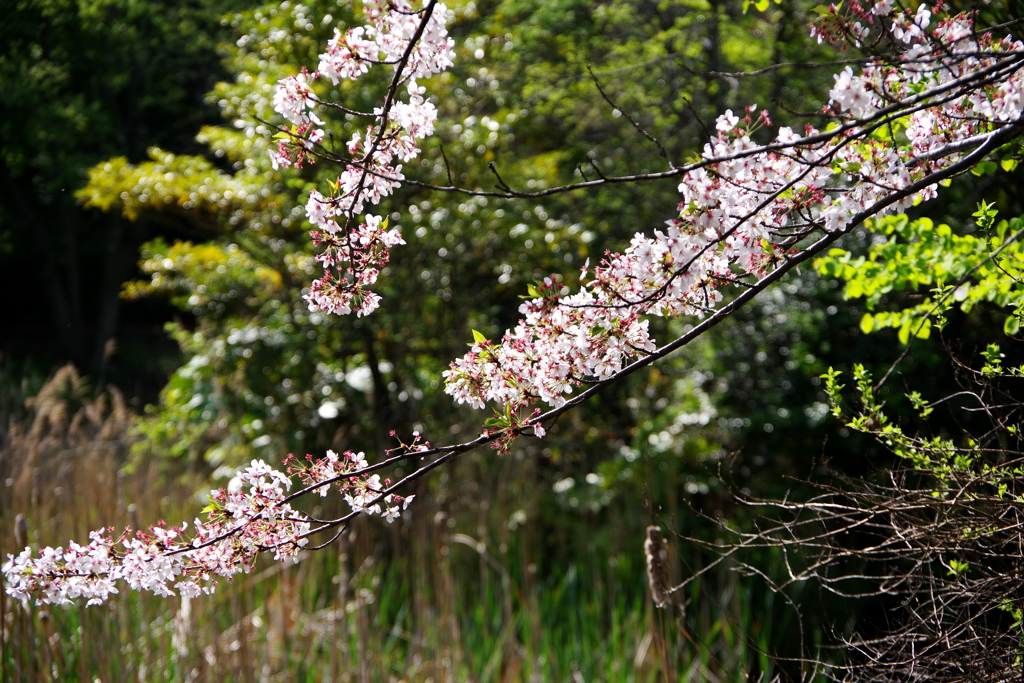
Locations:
484 583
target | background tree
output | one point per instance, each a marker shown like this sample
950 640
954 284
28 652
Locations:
82 81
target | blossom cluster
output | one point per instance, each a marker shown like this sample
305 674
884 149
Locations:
931 58
746 205
366 249
415 43
250 516
363 494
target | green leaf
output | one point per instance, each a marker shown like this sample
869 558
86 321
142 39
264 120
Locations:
904 333
957 567
984 168
1011 326
867 323
478 337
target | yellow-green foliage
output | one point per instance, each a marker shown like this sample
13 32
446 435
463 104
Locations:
169 180
203 277
957 270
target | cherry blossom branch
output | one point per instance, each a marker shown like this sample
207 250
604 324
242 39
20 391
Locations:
1010 63
447 453
415 43
744 210
739 202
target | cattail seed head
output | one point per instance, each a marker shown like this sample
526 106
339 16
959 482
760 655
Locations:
20 530
654 549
